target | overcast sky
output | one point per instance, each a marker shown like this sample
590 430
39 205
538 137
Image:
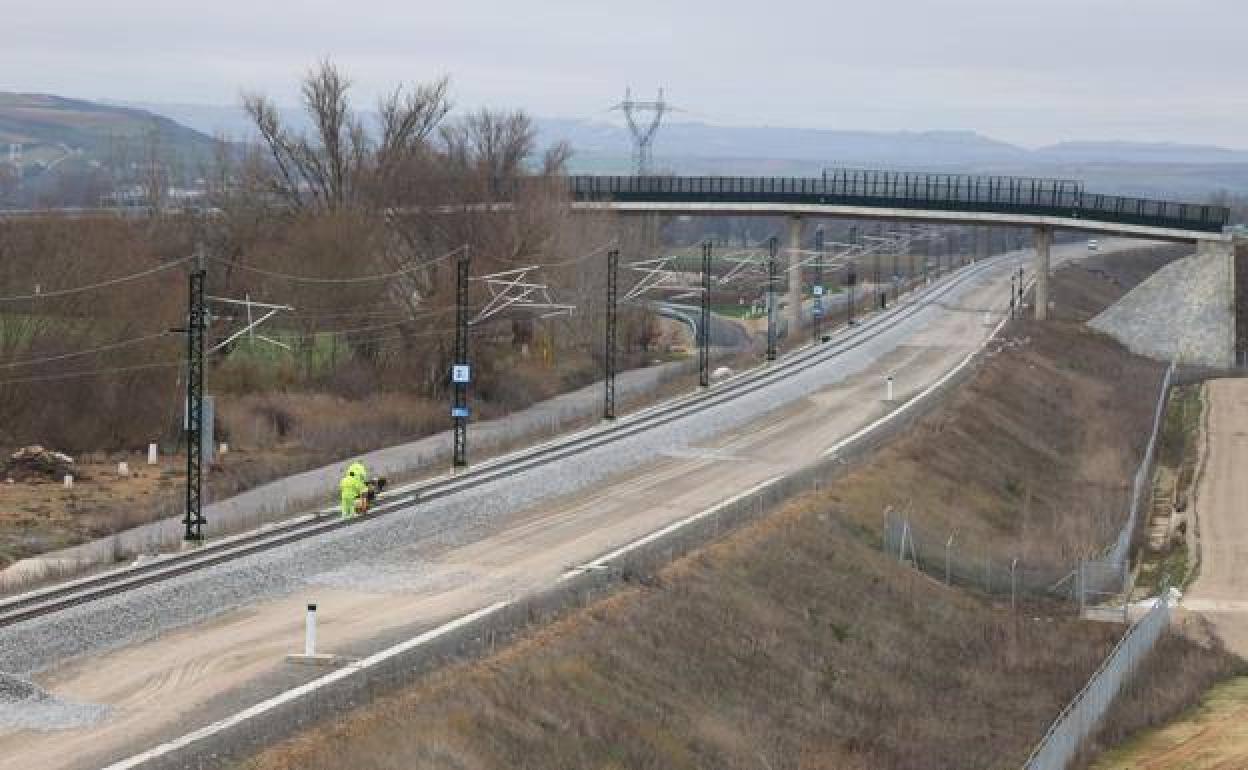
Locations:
1023 71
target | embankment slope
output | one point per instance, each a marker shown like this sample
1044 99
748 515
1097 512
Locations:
795 642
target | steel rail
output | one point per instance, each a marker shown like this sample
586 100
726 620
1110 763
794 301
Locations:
51 599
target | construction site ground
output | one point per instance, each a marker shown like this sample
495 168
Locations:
200 663
796 642
171 679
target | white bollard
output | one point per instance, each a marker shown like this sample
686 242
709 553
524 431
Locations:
153 454
69 481
309 632
889 388
123 469
224 449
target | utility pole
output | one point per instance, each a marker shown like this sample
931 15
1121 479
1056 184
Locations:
851 280
895 277
875 284
851 275
613 268
1012 297
704 328
196 321
771 299
1020 288
643 135
817 315
461 370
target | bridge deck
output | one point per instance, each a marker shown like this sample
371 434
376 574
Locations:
1024 196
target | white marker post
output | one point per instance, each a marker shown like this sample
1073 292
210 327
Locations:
69 481
123 469
888 388
309 632
153 454
310 656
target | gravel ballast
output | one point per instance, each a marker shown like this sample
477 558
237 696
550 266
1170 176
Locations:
25 706
390 547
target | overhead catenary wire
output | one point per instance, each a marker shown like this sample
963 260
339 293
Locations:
378 327
339 281
95 286
92 373
80 353
582 258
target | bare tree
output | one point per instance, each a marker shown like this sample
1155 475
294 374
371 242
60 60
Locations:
339 165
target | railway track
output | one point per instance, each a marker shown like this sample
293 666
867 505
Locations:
51 599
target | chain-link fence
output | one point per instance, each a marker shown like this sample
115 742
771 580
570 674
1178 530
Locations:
960 561
1083 715
1110 575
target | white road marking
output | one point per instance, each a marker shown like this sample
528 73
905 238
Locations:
597 564
291 695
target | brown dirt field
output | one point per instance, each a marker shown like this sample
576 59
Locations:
795 643
41 515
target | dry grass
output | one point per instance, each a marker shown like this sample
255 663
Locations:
1178 672
1030 459
795 643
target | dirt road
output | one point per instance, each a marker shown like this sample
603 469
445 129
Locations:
1216 734
169 685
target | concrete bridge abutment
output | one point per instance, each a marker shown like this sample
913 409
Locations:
795 275
1043 237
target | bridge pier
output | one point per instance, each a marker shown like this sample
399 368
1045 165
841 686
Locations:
1044 244
795 276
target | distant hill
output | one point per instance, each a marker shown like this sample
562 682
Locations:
677 142
48 127
50 124
1138 152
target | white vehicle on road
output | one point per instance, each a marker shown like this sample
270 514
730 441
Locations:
1093 244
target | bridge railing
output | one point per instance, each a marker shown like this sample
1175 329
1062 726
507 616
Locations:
891 189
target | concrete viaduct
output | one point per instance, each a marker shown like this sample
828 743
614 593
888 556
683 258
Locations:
1045 205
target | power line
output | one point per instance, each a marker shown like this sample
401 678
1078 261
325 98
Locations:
91 373
643 134
80 353
354 280
575 260
94 286
377 327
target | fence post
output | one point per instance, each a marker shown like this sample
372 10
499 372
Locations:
948 550
1081 587
1126 592
901 548
1014 585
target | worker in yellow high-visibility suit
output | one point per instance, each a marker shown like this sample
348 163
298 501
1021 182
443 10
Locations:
350 489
